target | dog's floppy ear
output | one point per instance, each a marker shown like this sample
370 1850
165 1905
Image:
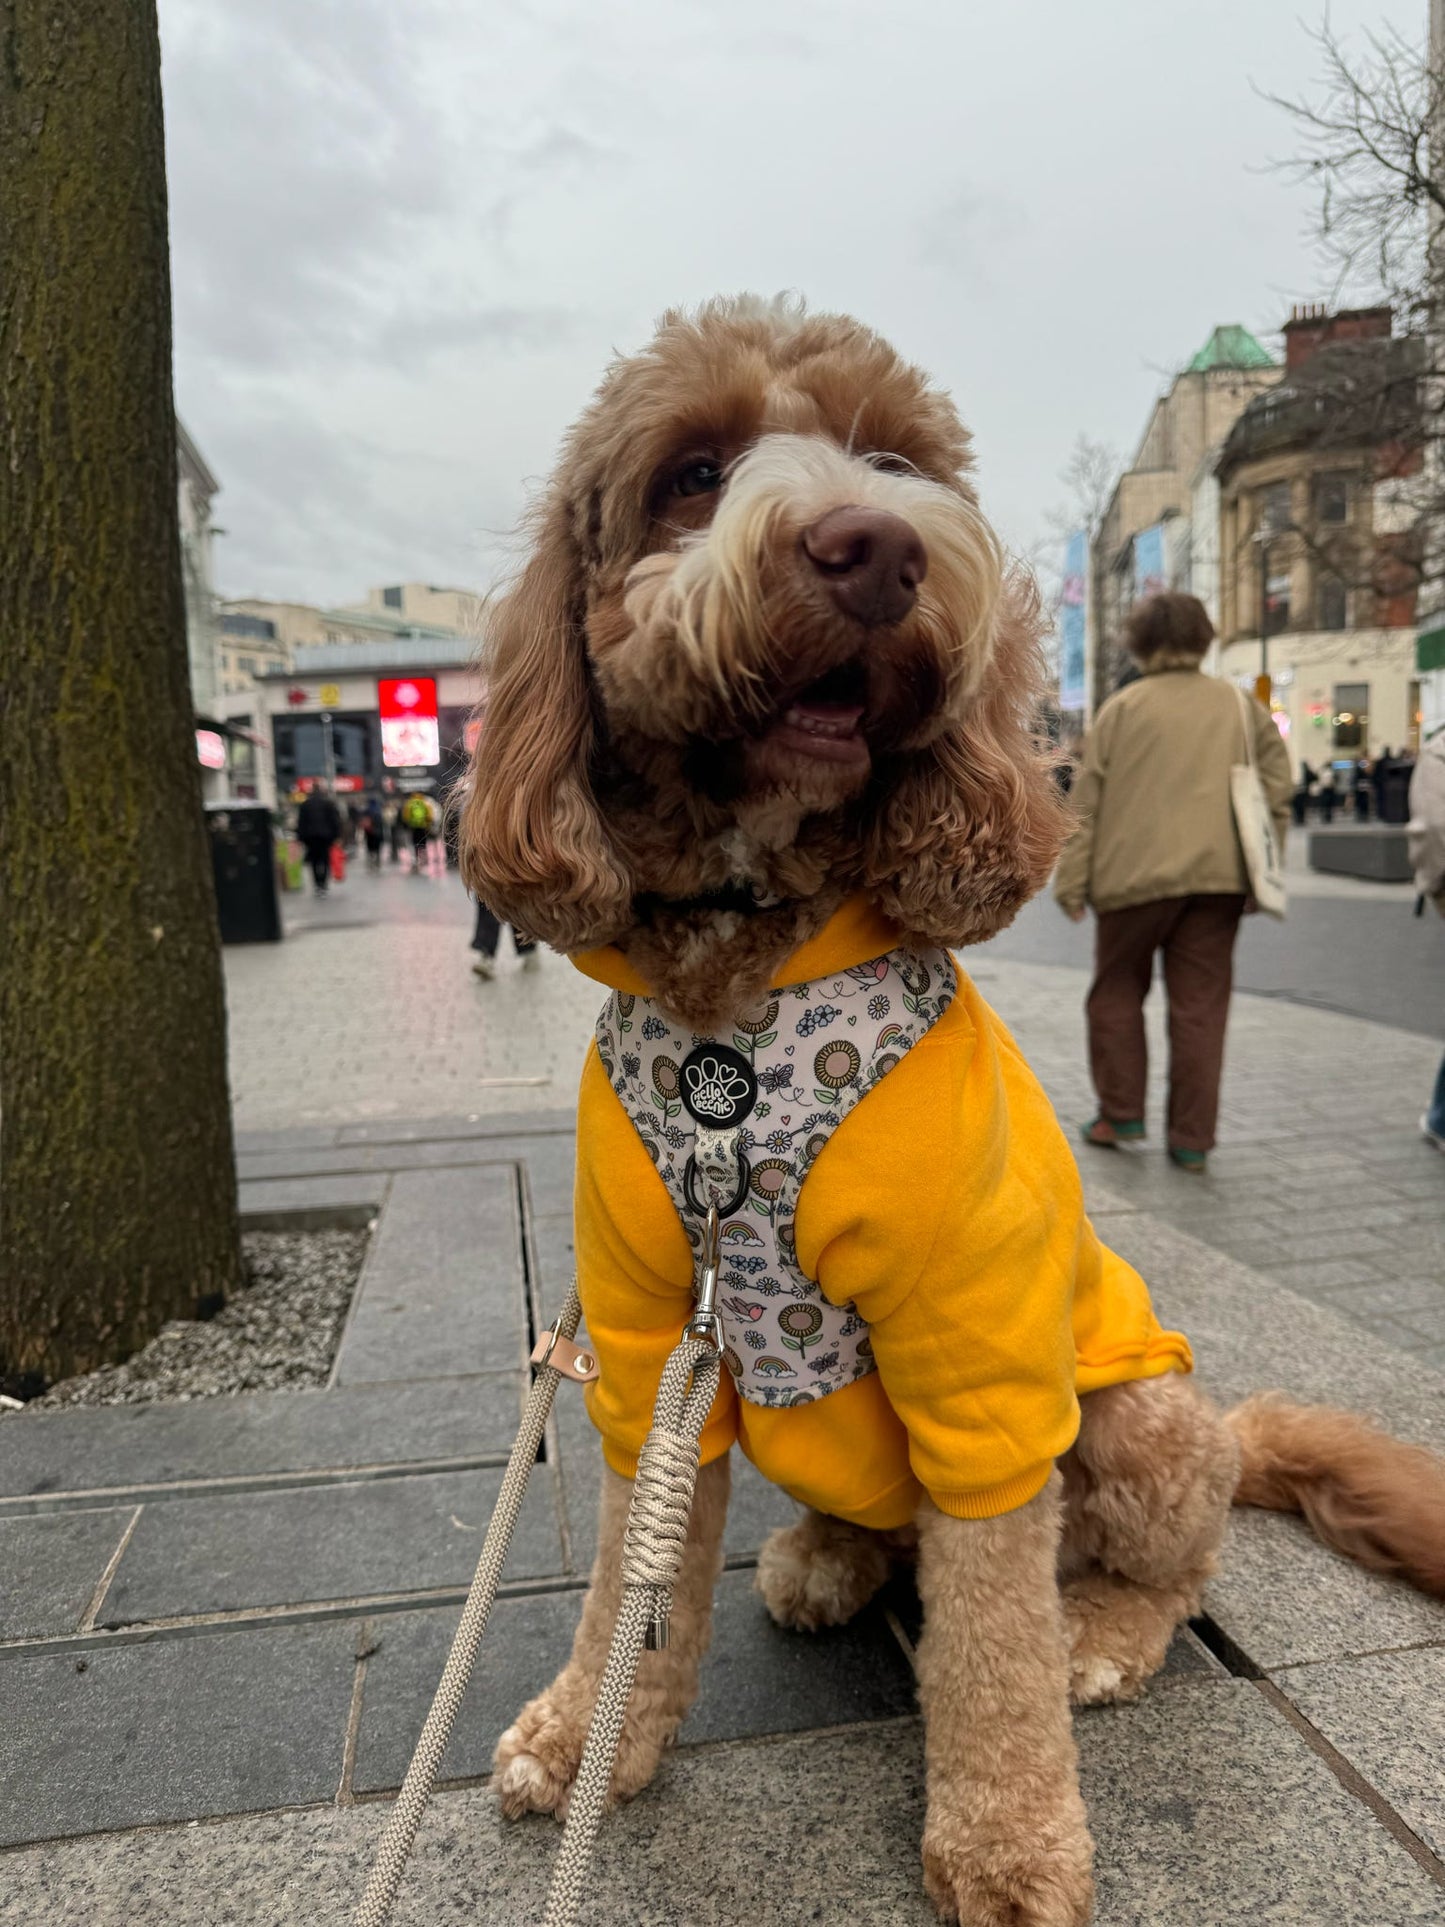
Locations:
975 822
532 841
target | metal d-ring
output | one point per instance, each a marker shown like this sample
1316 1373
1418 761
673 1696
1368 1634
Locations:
735 1203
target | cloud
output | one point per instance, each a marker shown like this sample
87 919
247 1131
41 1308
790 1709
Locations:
967 233
407 234
417 331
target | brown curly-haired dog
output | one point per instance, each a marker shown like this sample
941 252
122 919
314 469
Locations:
766 657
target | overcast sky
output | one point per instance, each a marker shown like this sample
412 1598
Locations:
407 234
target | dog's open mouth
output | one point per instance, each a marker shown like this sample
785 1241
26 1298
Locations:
825 720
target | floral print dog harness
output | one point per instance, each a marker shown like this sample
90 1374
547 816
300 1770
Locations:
792 1070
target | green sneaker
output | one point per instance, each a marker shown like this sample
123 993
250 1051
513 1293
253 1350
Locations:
1103 1131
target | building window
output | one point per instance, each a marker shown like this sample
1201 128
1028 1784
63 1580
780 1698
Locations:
1333 603
391 598
1332 498
1276 602
246 665
1274 506
235 624
1352 715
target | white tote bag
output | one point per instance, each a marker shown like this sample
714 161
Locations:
1262 860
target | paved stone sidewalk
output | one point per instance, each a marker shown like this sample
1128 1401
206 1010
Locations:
233 1613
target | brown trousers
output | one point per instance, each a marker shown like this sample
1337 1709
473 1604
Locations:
1197 936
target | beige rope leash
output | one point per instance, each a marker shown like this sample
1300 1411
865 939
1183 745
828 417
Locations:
652 1550
556 1357
653 1547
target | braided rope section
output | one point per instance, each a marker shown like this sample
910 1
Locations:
651 1559
421 1775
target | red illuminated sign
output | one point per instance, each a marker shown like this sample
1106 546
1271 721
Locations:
210 749
410 738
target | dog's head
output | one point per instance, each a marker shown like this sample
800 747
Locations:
765 639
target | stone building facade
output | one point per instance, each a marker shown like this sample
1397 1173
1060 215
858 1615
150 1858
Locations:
1175 459
1318 549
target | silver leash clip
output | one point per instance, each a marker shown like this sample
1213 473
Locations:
705 1323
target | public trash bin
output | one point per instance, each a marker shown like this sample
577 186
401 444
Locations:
244 862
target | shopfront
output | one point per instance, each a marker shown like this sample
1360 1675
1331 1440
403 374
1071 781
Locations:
401 726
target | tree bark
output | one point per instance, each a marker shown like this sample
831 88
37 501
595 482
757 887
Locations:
117 1182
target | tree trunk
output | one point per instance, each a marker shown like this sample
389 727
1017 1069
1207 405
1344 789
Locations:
117 1183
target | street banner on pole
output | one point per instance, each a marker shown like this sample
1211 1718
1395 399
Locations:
1149 572
1073 626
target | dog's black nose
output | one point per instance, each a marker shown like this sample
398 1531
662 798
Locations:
871 561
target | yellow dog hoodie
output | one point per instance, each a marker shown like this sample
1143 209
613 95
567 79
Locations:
911 1293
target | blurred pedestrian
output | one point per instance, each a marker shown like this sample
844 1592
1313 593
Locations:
1158 857
484 941
416 814
1327 794
1380 781
372 832
391 823
1427 854
318 825
1362 783
1304 790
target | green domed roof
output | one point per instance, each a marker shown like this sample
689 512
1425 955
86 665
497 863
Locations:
1231 346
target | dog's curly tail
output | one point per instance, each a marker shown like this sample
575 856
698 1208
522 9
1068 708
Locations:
1365 1494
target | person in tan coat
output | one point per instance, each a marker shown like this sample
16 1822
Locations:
1157 857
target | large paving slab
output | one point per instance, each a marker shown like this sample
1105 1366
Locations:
1386 1715
365 1159
230 1552
525 1645
1284 1599
255 1435
1209 1811
286 1204
171 1729
442 1293
51 1568
755 1680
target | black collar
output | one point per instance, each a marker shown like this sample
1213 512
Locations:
741 898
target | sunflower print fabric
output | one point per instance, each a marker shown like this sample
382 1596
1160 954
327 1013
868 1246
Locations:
816 1050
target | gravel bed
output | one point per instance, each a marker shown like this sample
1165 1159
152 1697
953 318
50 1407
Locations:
277 1334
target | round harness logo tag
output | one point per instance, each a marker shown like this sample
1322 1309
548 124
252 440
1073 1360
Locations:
717 1086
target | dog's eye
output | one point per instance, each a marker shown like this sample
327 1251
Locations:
893 464
699 477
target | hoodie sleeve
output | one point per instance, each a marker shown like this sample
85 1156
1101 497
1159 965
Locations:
953 1219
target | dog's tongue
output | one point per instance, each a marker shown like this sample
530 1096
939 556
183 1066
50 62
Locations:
823 718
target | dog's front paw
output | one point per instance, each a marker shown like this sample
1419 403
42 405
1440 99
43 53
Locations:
811 1576
536 1760
1032 1873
